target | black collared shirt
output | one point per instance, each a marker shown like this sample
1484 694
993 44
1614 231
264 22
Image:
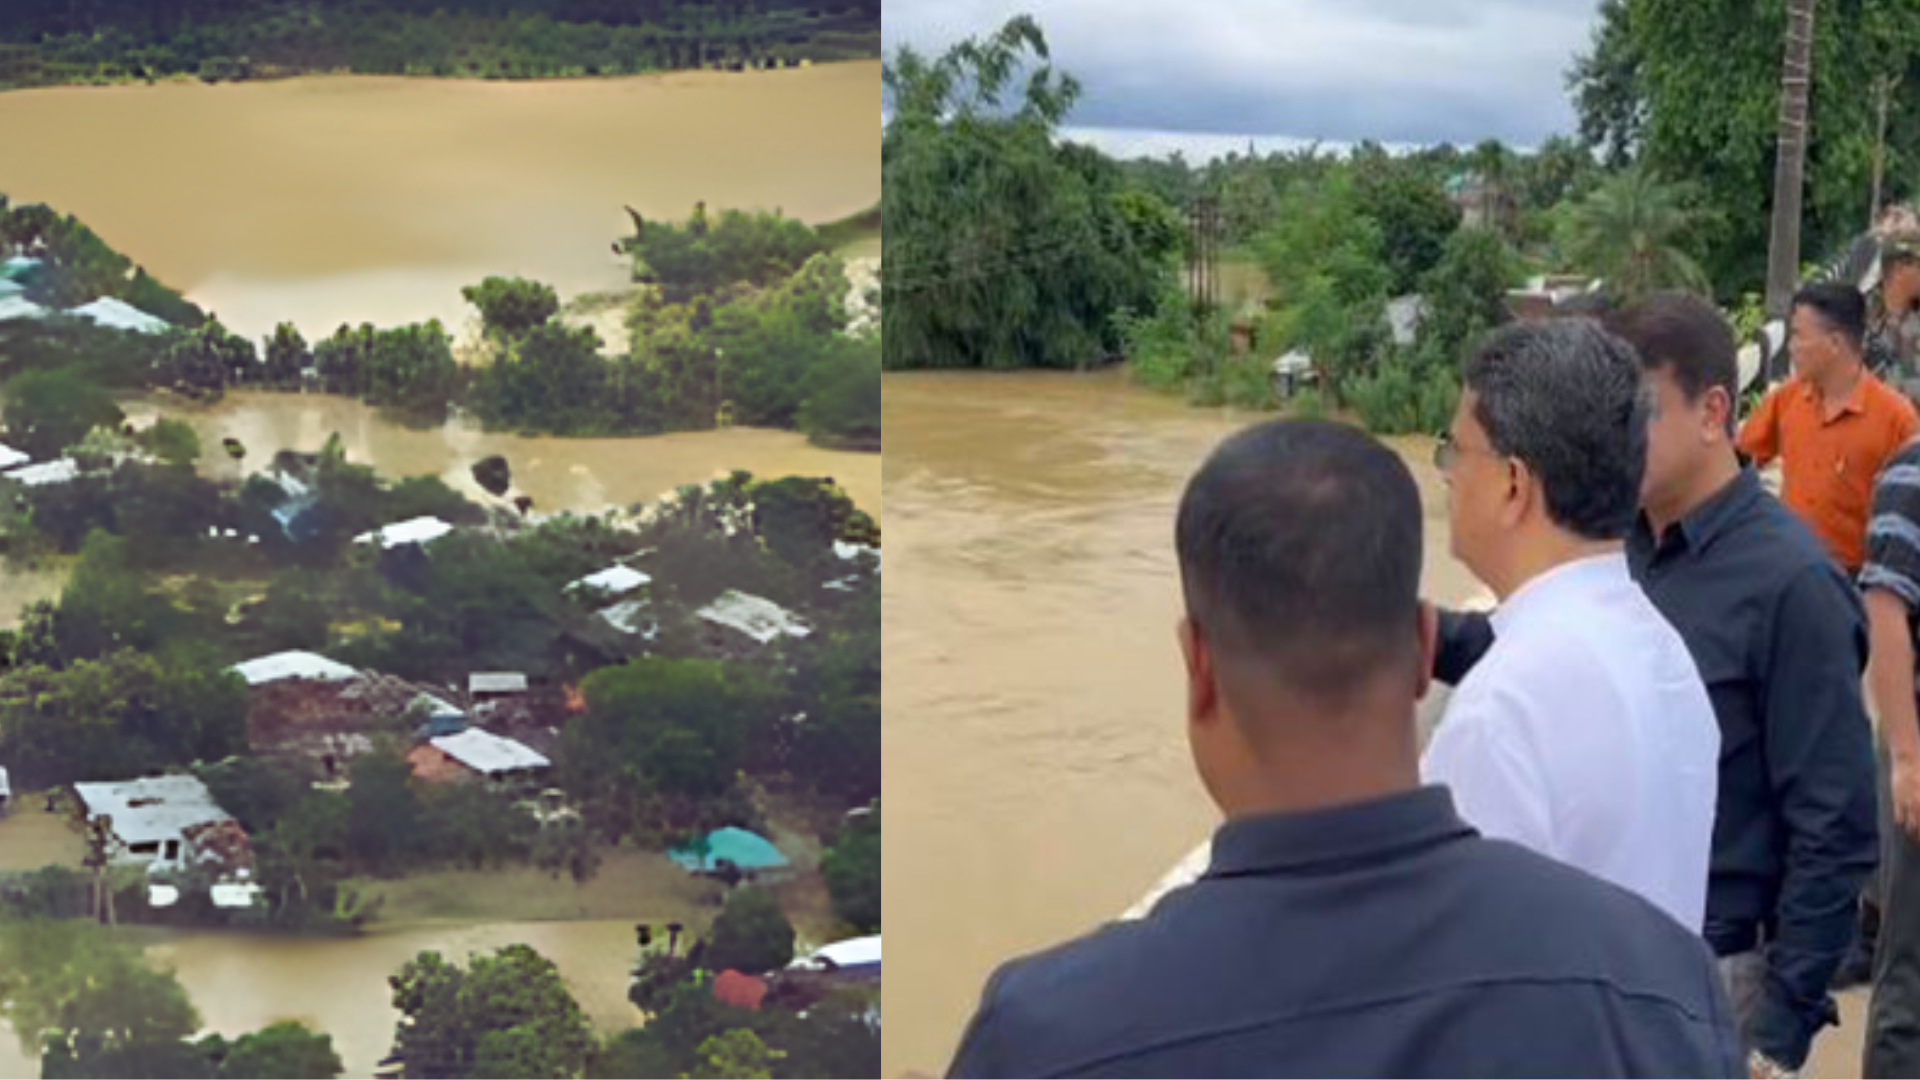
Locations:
1780 640
1385 938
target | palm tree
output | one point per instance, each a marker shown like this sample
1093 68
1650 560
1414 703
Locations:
1789 170
1629 231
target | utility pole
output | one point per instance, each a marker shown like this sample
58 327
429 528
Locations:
1203 228
1789 173
1883 90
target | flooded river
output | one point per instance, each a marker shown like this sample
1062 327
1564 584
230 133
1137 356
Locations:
350 199
1038 779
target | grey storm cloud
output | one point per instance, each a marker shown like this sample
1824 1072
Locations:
1397 71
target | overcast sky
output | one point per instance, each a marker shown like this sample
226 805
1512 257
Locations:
1164 73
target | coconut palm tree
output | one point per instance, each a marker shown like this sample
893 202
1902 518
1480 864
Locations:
1629 231
1789 170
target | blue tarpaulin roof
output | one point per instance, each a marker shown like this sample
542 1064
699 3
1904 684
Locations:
746 850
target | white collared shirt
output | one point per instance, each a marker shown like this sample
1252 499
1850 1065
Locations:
1585 734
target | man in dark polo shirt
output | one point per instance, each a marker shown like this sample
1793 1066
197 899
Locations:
1779 637
1350 923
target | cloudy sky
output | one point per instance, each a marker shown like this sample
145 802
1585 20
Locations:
1204 75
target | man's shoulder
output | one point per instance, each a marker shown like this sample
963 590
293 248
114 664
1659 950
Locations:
1126 991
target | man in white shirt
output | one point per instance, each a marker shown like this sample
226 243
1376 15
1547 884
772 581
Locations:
1585 733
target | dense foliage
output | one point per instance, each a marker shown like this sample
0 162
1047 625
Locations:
1004 248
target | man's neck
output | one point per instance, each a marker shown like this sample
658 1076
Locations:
1720 470
1549 551
1839 386
1373 756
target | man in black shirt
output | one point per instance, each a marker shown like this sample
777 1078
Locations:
1350 923
1780 640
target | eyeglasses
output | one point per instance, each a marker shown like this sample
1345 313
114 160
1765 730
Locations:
1447 451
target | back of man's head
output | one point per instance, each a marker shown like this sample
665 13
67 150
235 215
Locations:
1683 335
1565 398
1299 545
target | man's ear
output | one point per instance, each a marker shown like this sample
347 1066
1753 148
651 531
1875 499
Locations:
1203 692
1520 493
1427 628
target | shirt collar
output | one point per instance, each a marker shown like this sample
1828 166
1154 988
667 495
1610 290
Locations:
1578 577
1706 521
1856 399
1367 830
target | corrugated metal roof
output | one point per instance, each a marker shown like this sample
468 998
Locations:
293 664
485 752
418 530
614 580
153 808
760 619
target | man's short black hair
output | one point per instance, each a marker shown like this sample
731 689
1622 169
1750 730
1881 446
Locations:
1840 307
1681 334
1299 543
1565 397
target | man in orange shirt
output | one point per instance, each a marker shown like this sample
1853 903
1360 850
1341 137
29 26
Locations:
1834 425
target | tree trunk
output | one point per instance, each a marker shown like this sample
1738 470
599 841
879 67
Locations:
1789 170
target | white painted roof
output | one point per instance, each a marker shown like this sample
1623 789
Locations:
119 315
13 307
760 619
496 682
293 664
6 786
614 580
484 752
152 808
627 617
9 457
47 472
853 952
418 530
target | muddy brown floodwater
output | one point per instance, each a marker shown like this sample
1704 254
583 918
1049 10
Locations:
1038 781
349 199
583 475
1037 773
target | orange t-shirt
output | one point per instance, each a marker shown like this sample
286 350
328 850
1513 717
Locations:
1829 466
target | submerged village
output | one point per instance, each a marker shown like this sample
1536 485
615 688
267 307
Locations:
281 694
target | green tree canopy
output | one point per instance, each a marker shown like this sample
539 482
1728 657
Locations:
510 307
509 1014
284 1051
48 411
852 870
1004 249
751 935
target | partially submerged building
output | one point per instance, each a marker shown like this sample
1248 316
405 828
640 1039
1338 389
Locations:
171 823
